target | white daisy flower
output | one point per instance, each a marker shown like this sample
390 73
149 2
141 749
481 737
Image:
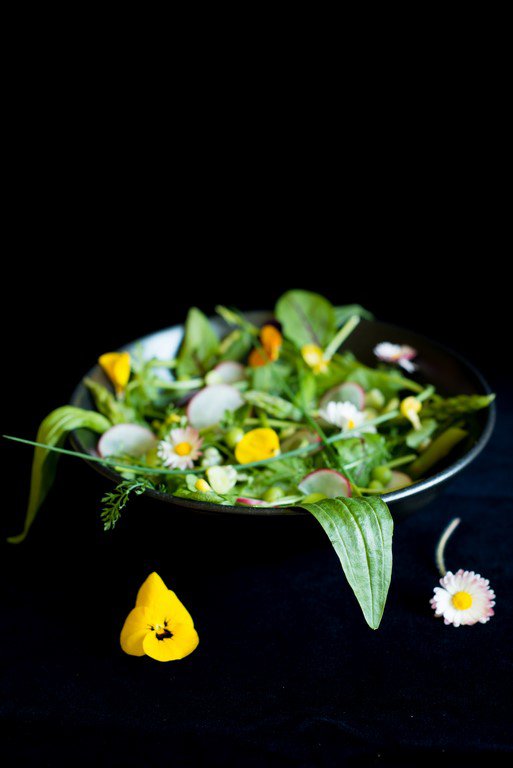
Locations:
345 416
401 354
181 449
463 598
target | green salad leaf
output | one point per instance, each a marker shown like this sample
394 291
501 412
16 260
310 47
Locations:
53 432
117 411
199 347
366 452
360 531
306 318
342 314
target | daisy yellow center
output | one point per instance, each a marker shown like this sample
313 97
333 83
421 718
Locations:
183 449
350 424
462 600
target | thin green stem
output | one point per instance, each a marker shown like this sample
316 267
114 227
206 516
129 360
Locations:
440 549
341 336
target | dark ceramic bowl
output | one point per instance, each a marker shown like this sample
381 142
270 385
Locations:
450 374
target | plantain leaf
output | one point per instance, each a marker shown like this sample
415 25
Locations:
199 347
360 531
53 431
306 318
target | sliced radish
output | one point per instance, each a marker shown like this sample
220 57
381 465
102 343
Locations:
227 372
250 502
126 440
398 480
348 392
327 481
208 407
299 439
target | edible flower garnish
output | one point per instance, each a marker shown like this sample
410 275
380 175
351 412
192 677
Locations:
314 358
271 341
181 449
401 354
410 408
159 626
463 598
258 444
117 367
343 415
222 479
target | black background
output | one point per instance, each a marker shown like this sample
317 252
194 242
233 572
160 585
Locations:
106 249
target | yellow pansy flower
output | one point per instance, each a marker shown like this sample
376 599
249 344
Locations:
117 367
410 408
314 358
159 626
258 444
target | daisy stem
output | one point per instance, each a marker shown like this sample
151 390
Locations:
440 549
341 336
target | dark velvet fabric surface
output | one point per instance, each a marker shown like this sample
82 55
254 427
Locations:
287 672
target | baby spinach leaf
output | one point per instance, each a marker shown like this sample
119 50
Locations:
342 314
53 431
199 347
306 318
360 531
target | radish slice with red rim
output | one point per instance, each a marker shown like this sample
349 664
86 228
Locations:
398 480
250 502
126 440
327 481
348 392
299 439
209 405
227 372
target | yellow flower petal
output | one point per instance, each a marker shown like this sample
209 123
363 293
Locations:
152 591
135 629
117 367
314 358
256 445
183 642
161 602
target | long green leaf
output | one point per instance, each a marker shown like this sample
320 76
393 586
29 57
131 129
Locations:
53 432
360 531
306 318
199 348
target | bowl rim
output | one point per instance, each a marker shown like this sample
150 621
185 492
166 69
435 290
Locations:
207 507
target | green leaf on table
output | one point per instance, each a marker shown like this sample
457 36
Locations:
342 314
199 347
360 531
306 318
53 431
